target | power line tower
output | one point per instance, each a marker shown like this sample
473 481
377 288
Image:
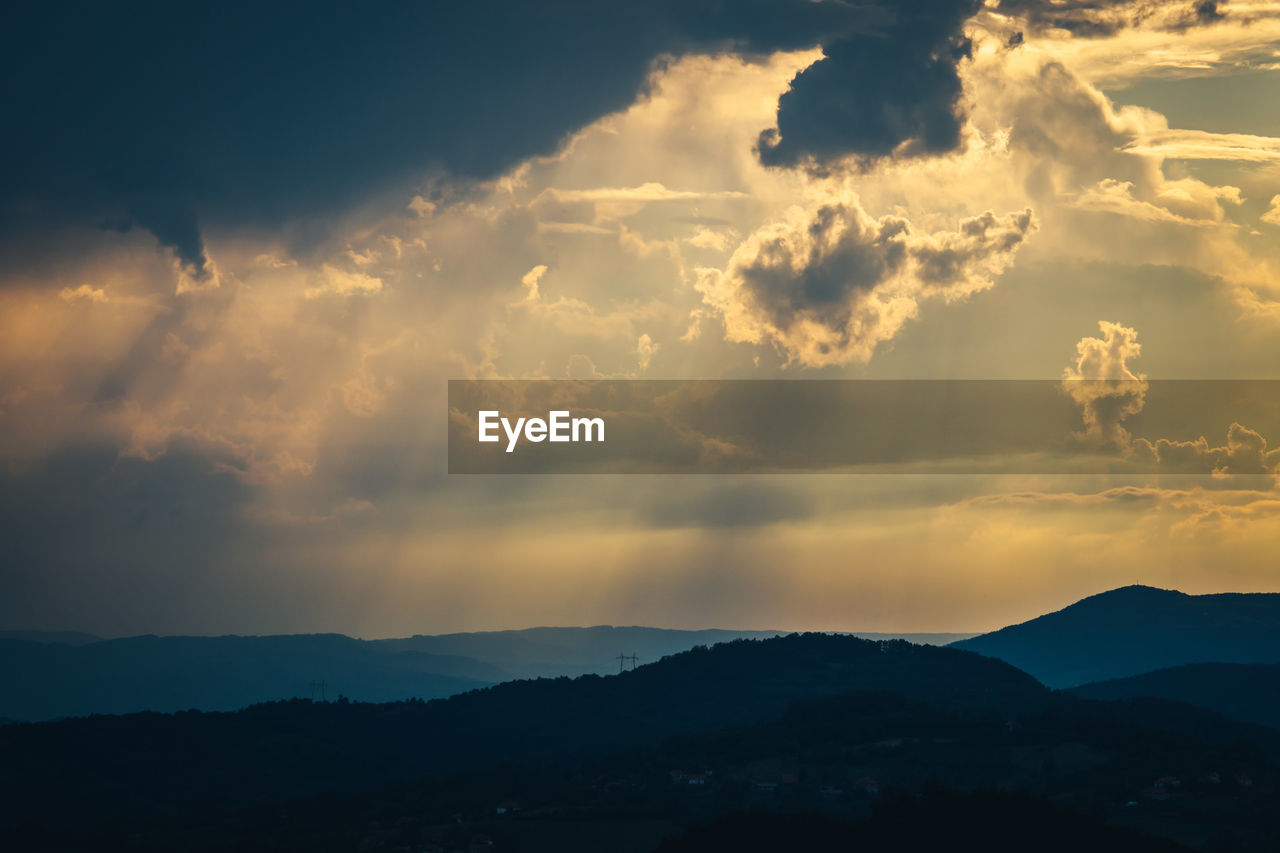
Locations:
623 660
633 660
321 687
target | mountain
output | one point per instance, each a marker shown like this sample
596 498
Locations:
1138 629
1242 691
218 673
142 764
70 638
64 673
524 767
553 652
832 731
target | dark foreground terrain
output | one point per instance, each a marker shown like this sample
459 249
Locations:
794 743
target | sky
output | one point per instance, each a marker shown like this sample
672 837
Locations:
242 250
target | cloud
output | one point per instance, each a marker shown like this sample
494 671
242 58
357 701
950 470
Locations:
1177 144
1131 41
826 286
301 406
339 282
1201 203
645 350
1244 455
1272 214
1109 391
1104 386
1097 18
710 239
892 91
83 293
530 284
652 191
307 110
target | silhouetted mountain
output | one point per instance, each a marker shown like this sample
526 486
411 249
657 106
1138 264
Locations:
70 638
225 673
1242 691
218 673
553 652
1138 629
801 724
150 763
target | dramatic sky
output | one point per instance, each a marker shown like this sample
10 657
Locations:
242 249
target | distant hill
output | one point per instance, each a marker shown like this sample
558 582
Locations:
70 638
621 762
1242 691
294 749
64 673
1138 629
218 673
553 652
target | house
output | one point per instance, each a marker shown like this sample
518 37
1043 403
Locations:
507 807
868 785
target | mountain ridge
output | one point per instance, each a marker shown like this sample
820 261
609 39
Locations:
1135 629
1248 692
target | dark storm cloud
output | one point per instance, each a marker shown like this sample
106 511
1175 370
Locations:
895 89
175 116
170 117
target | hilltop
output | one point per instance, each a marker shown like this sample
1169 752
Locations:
1137 629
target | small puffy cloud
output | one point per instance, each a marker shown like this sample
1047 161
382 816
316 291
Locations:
826 286
335 281
421 206
645 349
1272 215
83 293
1244 455
530 283
710 239
1104 386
